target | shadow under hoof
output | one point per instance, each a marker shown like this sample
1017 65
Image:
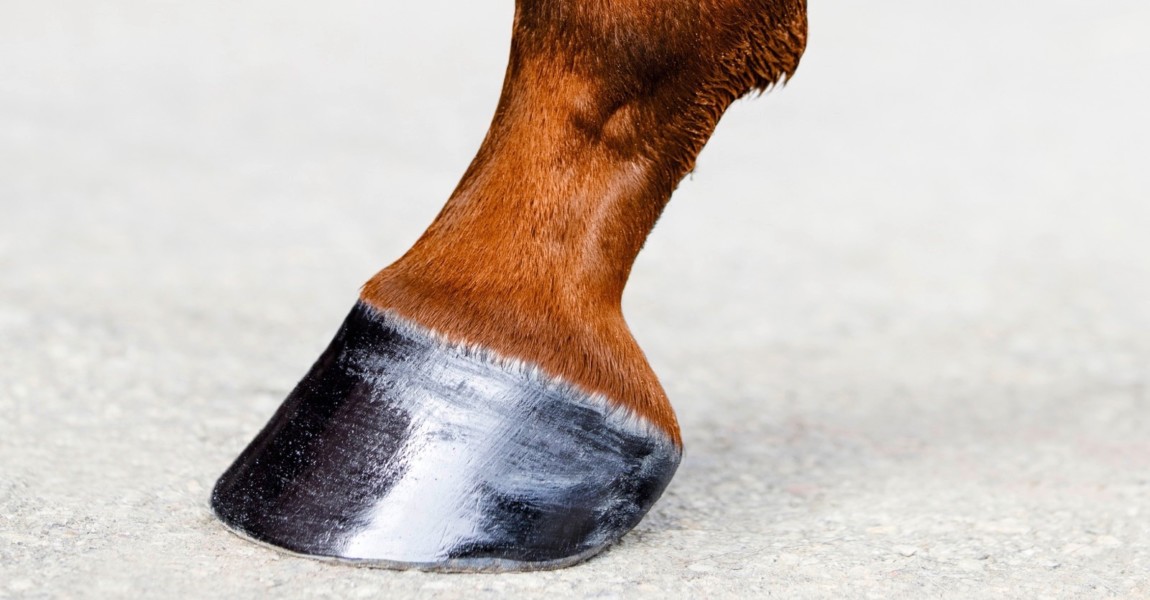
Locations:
400 450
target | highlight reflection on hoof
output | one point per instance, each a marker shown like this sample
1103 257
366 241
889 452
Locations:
400 450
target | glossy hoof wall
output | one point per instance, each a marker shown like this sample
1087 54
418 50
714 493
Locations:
399 450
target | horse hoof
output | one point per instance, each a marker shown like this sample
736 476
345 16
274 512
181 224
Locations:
401 450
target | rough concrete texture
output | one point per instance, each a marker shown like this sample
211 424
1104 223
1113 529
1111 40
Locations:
902 307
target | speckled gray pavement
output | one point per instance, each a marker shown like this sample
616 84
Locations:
902 307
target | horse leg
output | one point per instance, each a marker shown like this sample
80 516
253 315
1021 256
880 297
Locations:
484 406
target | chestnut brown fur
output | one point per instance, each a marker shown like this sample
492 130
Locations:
605 106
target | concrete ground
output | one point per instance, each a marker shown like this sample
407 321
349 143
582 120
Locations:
902 307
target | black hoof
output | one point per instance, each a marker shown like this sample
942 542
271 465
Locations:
400 450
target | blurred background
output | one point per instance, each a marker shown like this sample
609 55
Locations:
902 306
